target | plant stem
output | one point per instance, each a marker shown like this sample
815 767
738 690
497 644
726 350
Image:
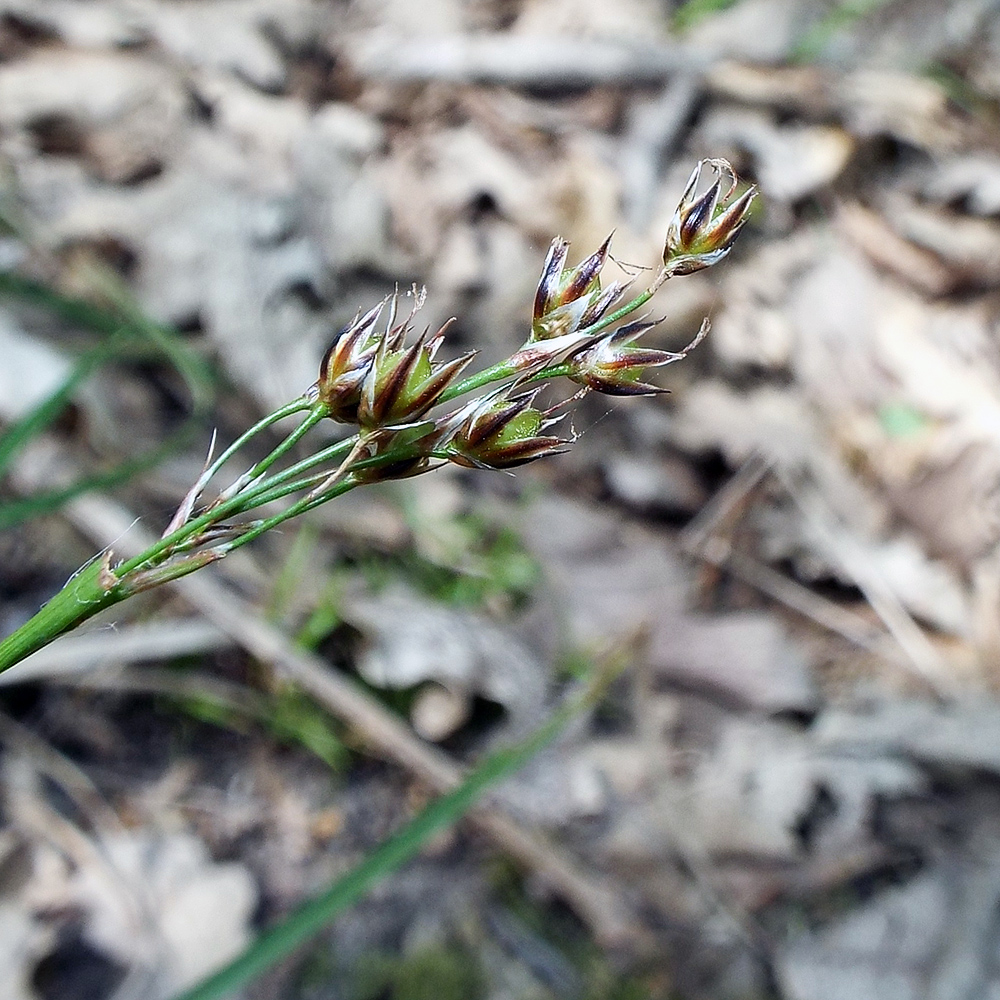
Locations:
243 501
295 406
629 307
503 369
98 587
495 373
88 592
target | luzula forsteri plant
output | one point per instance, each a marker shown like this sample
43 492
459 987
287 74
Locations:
371 379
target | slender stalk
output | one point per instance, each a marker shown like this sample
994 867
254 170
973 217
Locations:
554 371
503 369
91 590
316 413
296 406
98 587
267 523
313 500
629 307
495 373
243 501
279 478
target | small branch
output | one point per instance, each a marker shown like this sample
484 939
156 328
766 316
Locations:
654 129
519 60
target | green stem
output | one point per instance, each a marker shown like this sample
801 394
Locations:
309 919
267 523
495 373
554 371
296 406
240 503
84 595
89 591
503 369
629 307
316 413
311 501
254 496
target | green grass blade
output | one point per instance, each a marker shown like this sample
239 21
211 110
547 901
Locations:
125 319
39 504
309 919
125 328
71 310
48 410
841 18
693 11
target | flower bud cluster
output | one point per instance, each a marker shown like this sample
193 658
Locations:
500 431
703 230
371 378
569 299
615 366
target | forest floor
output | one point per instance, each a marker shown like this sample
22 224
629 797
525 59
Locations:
793 790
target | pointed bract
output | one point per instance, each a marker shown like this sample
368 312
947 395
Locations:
346 364
570 299
498 431
402 384
615 366
703 230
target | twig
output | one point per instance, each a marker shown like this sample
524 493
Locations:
654 129
921 655
705 538
519 60
725 504
59 768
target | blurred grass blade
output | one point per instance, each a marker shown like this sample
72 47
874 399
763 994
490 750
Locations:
814 42
18 511
23 430
280 941
125 329
74 311
693 11
125 319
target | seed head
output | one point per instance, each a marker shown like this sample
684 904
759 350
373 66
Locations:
499 431
703 230
570 299
614 366
346 364
403 383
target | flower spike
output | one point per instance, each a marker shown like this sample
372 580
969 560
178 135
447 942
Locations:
614 366
569 299
402 384
499 431
703 230
346 364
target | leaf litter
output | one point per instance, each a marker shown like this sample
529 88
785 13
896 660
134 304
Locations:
794 782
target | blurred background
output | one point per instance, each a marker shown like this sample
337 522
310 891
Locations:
793 791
